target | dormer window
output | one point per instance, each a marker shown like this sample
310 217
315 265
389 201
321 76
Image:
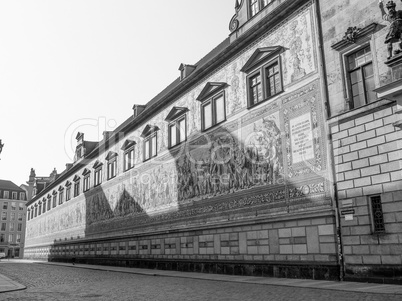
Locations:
264 75
177 119
186 70
111 159
213 105
150 141
128 148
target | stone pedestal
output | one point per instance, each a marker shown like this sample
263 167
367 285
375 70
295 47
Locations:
393 90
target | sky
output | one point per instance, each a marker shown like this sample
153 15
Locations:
81 65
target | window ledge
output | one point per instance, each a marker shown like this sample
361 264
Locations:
360 111
265 100
213 126
178 144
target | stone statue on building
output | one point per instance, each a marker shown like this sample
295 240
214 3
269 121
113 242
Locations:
395 30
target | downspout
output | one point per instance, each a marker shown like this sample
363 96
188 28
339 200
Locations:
324 86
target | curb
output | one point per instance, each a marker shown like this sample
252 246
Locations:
358 287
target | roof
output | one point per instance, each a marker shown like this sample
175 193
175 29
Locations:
8 185
213 53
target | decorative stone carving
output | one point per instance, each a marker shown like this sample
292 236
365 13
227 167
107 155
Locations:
351 34
234 23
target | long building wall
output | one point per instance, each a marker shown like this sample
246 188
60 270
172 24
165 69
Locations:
256 189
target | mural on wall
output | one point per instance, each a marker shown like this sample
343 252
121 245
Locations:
255 150
264 148
70 217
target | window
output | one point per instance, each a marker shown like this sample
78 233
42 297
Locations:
177 131
77 187
68 193
111 168
15 195
32 212
86 182
12 216
6 195
54 204
11 238
98 176
43 208
36 211
360 77
111 159
40 208
129 159
264 83
213 111
150 143
61 196
3 226
20 215
13 205
21 206
19 227
12 227
2 237
4 216
18 238
22 196
377 214
257 5
5 205
49 202
150 149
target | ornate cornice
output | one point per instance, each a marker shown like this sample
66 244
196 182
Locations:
354 34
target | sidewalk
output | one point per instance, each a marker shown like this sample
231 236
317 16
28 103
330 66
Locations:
302 283
7 285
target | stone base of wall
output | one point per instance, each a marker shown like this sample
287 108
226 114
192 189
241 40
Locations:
313 270
386 274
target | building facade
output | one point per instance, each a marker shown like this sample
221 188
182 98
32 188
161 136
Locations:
13 219
266 157
364 87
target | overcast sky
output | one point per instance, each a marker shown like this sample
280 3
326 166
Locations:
69 65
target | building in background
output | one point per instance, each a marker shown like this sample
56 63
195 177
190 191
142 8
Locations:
365 97
12 219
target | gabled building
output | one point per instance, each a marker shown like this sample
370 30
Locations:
12 219
227 170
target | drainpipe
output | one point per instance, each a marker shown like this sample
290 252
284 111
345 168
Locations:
324 85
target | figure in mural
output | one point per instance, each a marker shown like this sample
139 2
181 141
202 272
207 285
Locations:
235 90
394 34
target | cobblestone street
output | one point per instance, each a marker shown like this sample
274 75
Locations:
48 282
